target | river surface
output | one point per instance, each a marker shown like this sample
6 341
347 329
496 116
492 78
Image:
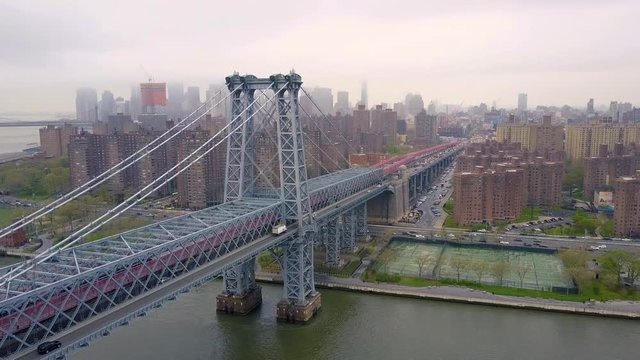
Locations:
15 139
363 326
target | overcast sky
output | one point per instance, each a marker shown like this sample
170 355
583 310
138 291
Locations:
557 51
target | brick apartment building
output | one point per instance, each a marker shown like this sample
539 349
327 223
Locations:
543 137
626 198
488 194
54 140
601 172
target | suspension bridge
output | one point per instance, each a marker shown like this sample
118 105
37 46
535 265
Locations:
78 291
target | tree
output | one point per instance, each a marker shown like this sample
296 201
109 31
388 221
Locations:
480 268
574 258
633 271
615 262
386 257
458 263
422 260
522 269
501 269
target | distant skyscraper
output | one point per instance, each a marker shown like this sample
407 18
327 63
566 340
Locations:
400 110
86 105
342 104
590 106
107 105
175 91
522 104
154 98
135 103
324 99
364 97
222 110
431 109
192 99
413 103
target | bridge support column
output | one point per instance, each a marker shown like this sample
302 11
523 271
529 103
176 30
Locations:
241 294
332 257
301 300
349 231
362 230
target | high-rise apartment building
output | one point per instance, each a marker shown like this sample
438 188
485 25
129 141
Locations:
626 198
601 172
590 108
584 140
54 140
86 105
533 137
488 195
196 186
426 129
361 122
384 122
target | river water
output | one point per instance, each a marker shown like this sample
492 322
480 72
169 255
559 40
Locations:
15 139
362 326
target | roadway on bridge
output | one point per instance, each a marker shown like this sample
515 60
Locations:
216 266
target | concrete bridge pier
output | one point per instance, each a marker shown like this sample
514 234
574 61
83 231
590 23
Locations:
389 207
332 245
241 294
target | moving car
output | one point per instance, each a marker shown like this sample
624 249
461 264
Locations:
48 346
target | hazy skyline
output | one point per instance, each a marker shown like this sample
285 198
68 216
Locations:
558 52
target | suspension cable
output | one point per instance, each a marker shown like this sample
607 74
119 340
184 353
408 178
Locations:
329 121
132 200
93 183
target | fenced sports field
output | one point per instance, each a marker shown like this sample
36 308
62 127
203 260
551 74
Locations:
540 271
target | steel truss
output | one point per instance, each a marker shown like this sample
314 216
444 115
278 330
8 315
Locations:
348 231
332 246
88 279
362 229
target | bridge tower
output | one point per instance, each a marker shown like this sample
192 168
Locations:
300 300
241 294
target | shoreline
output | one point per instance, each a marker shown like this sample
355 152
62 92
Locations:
466 297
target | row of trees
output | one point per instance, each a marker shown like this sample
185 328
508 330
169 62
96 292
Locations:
499 270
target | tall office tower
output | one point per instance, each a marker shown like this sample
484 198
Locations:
54 140
584 140
154 98
426 129
431 109
342 103
224 108
86 105
414 104
324 99
122 106
590 106
400 109
384 122
533 137
107 105
135 103
522 105
626 217
175 92
364 96
191 100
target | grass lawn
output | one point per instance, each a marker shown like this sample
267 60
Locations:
344 272
529 214
8 215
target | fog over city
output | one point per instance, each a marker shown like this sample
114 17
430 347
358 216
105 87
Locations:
559 52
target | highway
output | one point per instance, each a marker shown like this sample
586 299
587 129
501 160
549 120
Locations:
175 286
465 237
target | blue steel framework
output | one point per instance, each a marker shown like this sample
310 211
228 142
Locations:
86 280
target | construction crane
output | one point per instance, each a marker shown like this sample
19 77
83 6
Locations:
147 75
